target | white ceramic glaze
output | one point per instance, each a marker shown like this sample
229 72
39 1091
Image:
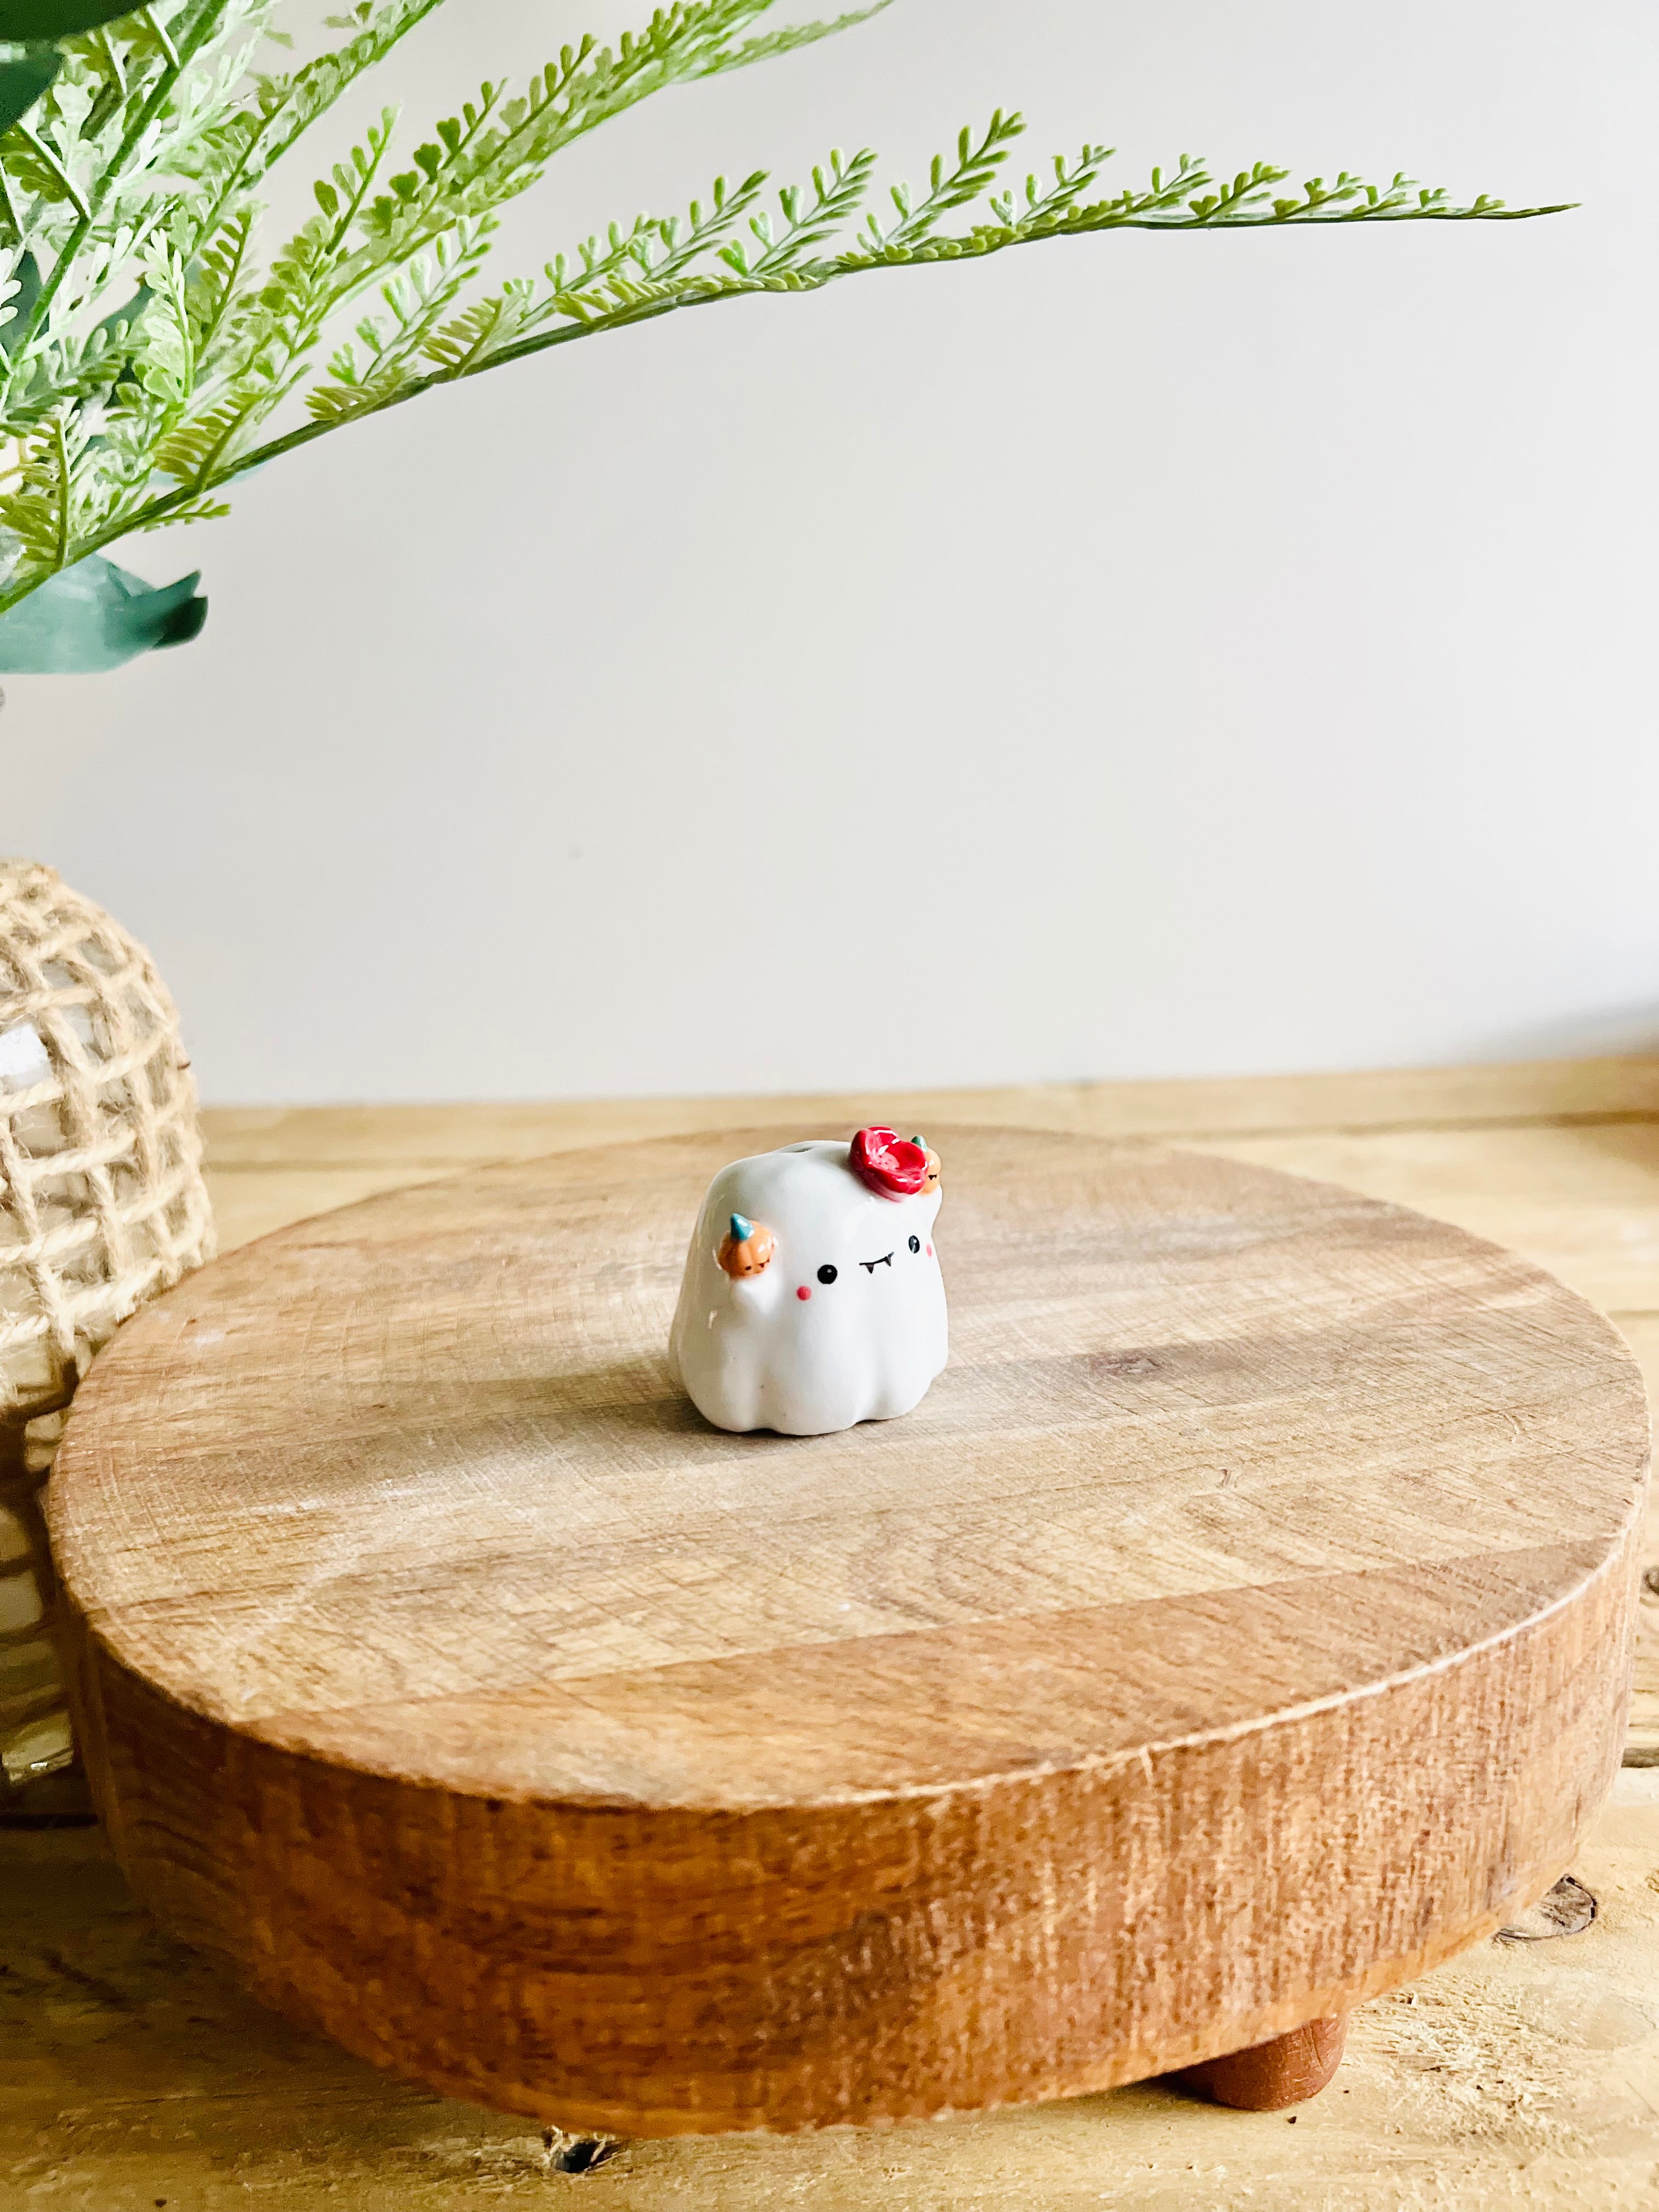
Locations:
756 1353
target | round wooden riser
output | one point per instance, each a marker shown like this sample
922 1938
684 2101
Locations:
1241 1625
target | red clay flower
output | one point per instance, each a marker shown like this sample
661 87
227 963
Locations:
885 1164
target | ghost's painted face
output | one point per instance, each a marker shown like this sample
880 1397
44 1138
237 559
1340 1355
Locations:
844 1319
846 1270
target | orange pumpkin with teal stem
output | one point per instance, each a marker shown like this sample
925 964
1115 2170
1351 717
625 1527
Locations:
746 1249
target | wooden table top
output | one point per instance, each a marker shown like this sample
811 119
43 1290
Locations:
132 2069
1238 1628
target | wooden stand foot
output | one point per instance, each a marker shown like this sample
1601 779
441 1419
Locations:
1269 2076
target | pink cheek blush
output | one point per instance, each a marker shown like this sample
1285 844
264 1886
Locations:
803 1292
930 1251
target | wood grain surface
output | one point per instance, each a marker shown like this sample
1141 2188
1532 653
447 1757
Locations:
133 2069
1241 1626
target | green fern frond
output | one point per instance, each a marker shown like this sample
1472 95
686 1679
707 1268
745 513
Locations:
216 275
837 192
773 44
416 302
152 348
293 104
196 453
197 510
42 513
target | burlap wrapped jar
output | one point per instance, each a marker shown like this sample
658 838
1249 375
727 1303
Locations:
102 1204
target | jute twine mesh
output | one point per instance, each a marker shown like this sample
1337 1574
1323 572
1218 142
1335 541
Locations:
102 1204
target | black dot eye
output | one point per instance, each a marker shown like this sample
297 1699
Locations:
915 1243
827 1273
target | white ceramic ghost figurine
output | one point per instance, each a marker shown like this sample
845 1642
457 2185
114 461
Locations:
812 1296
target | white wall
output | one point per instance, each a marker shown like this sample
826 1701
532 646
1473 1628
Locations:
1136 655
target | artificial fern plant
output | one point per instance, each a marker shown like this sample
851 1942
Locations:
156 346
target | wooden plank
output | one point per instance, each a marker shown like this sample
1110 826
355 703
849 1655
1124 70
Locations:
1583 1201
1568 1090
249 1202
1641 1332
